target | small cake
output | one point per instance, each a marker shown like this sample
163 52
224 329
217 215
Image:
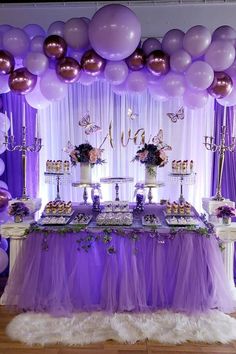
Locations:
175 208
187 208
174 166
181 208
191 166
168 208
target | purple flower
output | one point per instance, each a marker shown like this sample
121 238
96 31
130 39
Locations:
225 211
18 208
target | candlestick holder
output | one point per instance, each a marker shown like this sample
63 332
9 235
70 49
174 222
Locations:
221 148
23 147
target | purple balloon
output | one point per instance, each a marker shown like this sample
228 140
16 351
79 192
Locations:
173 84
34 30
172 41
136 82
157 92
36 99
5 28
225 33
57 28
3 243
3 260
52 88
120 89
180 60
92 63
196 40
151 44
22 81
76 34
231 71
36 63
5 196
36 44
220 55
195 99
4 86
86 79
199 75
16 41
116 72
114 32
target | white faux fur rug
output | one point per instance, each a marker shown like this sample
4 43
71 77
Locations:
85 328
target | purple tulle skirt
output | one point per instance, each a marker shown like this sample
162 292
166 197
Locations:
61 274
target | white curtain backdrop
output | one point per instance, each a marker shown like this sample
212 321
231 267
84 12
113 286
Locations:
59 123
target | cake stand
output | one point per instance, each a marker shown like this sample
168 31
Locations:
183 178
150 186
116 181
85 186
58 178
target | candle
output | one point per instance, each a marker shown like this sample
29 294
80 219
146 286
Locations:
11 119
5 123
224 117
23 115
234 123
37 126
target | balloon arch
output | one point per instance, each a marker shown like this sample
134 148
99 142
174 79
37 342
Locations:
193 65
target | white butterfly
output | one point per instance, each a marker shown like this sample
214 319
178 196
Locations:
131 114
69 147
89 127
158 141
175 116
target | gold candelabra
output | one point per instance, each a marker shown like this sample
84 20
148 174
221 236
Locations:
221 148
24 148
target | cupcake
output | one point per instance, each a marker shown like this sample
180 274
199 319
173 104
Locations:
175 208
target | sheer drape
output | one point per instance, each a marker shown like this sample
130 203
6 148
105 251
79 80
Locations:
59 123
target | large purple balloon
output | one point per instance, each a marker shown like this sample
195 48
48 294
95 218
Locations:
195 99
7 62
151 44
158 63
86 79
225 33
16 41
199 75
68 70
52 87
92 63
114 32
5 196
116 72
173 84
55 47
220 55
196 40
22 81
76 34
180 60
136 82
3 260
36 44
36 99
221 86
36 63
136 61
172 41
57 28
34 30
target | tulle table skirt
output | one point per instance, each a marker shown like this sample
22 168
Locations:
115 271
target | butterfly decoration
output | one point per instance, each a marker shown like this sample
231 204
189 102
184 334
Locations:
158 141
68 148
131 114
175 116
89 127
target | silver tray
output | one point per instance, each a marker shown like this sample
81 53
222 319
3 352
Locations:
194 222
57 214
74 222
178 214
44 222
146 223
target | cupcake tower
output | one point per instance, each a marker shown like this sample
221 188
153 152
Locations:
58 208
57 166
182 166
178 208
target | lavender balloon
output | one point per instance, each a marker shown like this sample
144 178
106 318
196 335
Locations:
52 88
151 44
36 63
76 34
86 79
225 33
199 75
36 44
22 81
136 82
180 60
34 30
16 41
173 84
4 86
195 99
220 55
114 32
196 40
157 92
92 63
116 72
36 99
221 86
57 28
172 41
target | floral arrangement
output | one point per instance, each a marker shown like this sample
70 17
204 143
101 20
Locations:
225 211
18 208
87 154
151 155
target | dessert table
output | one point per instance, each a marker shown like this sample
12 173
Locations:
68 269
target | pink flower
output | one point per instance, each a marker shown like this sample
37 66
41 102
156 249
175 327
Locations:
94 155
142 155
73 155
162 155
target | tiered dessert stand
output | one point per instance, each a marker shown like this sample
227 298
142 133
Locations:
116 181
182 179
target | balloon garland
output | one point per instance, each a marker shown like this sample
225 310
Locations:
193 65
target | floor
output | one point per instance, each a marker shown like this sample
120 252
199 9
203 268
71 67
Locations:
110 347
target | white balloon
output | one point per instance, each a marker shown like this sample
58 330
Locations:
2 166
3 185
4 123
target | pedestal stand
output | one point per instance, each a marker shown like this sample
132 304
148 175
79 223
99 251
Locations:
85 186
57 178
116 181
182 179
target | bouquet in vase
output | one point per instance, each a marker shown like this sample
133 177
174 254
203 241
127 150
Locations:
18 210
85 153
225 211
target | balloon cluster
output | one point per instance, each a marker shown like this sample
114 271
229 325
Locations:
194 65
